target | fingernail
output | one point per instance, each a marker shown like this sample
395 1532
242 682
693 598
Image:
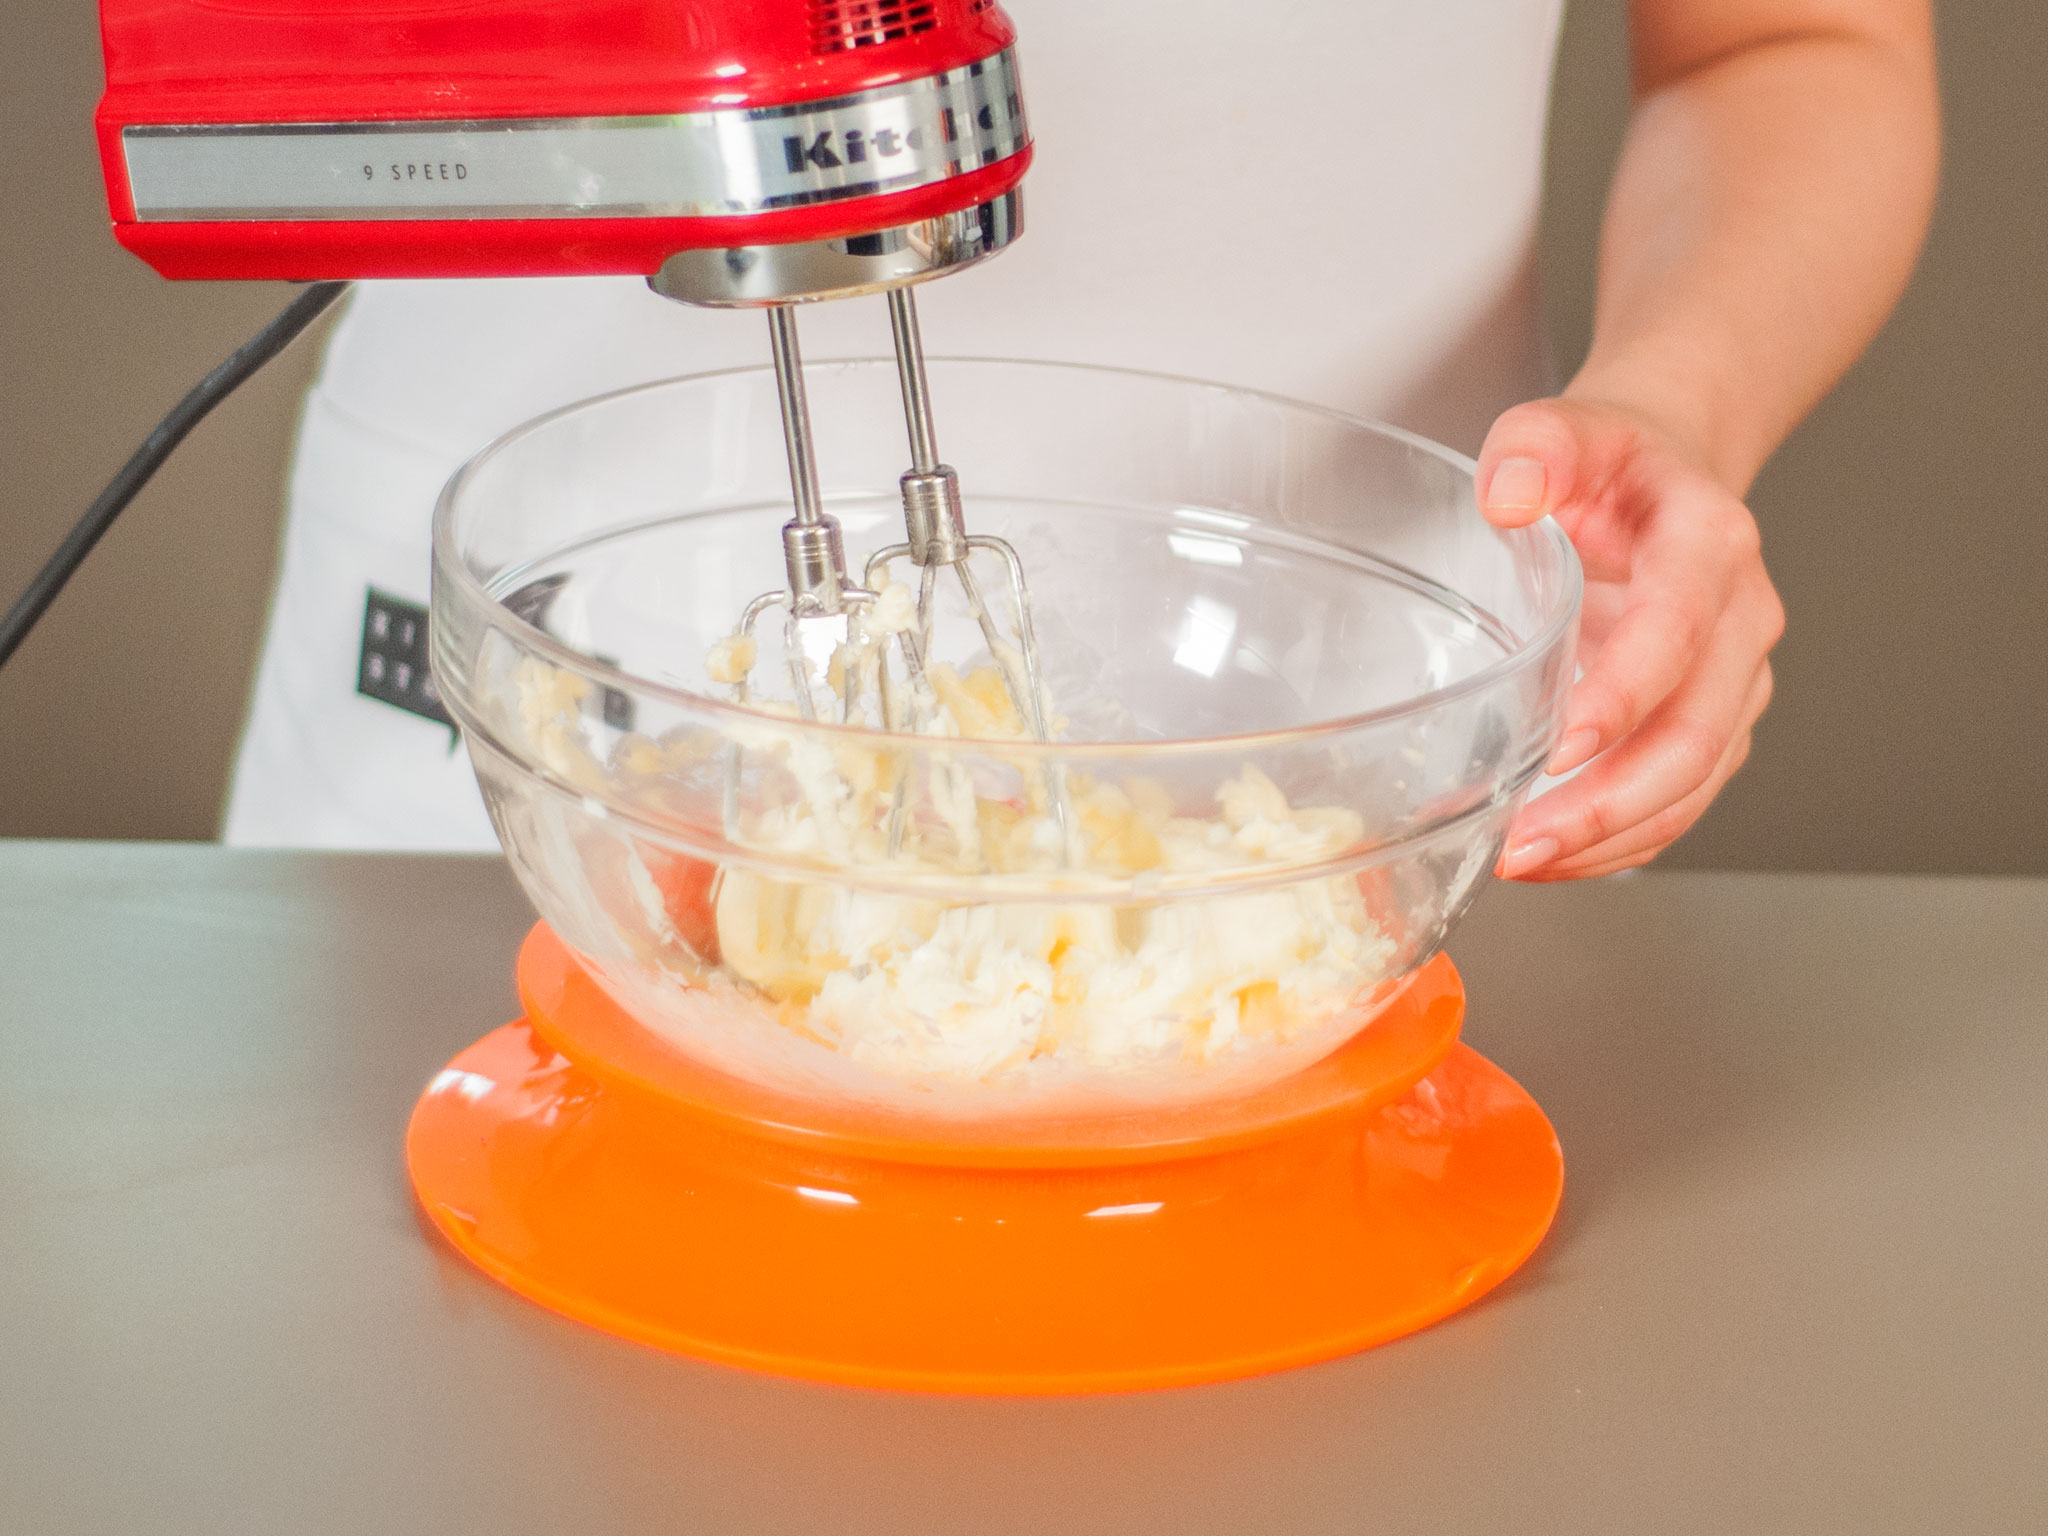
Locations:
1517 485
1530 855
1573 750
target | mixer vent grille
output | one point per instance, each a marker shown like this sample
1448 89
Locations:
837 25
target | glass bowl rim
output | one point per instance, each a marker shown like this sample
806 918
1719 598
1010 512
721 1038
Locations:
472 592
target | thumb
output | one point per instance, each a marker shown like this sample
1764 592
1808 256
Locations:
1529 465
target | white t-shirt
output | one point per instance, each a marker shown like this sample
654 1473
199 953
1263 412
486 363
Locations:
1330 199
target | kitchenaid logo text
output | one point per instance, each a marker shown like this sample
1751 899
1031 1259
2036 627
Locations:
855 147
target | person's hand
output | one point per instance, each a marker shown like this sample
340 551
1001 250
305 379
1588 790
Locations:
1674 639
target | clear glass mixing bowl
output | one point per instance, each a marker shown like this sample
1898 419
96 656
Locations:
1302 683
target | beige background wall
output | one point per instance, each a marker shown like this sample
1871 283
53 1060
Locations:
1907 523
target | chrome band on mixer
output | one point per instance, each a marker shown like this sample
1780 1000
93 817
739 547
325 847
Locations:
725 163
753 275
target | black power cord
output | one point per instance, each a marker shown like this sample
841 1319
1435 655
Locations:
157 447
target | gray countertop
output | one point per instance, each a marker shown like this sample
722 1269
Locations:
1799 1282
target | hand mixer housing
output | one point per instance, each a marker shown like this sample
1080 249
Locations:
734 152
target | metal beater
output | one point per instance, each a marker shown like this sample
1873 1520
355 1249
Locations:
823 608
821 598
937 536
819 602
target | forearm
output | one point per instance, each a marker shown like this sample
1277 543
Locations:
1766 212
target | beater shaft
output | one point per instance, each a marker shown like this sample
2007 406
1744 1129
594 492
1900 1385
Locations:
917 403
813 550
796 412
